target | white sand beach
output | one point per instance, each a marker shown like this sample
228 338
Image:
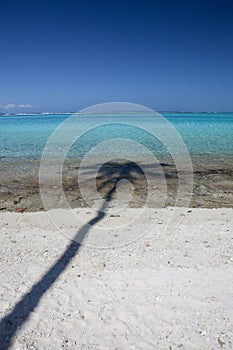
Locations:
167 290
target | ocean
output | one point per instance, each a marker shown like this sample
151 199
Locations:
206 136
25 136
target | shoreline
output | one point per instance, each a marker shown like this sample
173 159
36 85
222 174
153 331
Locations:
213 183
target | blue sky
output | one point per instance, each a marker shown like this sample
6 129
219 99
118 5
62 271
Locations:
67 55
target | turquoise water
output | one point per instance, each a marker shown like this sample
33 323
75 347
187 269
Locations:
25 136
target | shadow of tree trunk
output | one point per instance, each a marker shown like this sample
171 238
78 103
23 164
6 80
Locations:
13 321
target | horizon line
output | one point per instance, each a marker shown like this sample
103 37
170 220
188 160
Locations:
128 112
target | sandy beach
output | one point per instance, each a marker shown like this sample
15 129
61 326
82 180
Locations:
116 175
167 290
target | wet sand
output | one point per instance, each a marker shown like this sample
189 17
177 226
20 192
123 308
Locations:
213 183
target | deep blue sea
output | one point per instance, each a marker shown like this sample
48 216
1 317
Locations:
25 136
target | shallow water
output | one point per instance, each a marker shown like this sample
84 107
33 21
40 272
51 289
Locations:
25 136
207 136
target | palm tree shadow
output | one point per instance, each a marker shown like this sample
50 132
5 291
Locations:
13 321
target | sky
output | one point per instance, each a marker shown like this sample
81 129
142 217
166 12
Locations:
68 55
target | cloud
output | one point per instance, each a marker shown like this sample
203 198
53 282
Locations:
13 105
25 106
